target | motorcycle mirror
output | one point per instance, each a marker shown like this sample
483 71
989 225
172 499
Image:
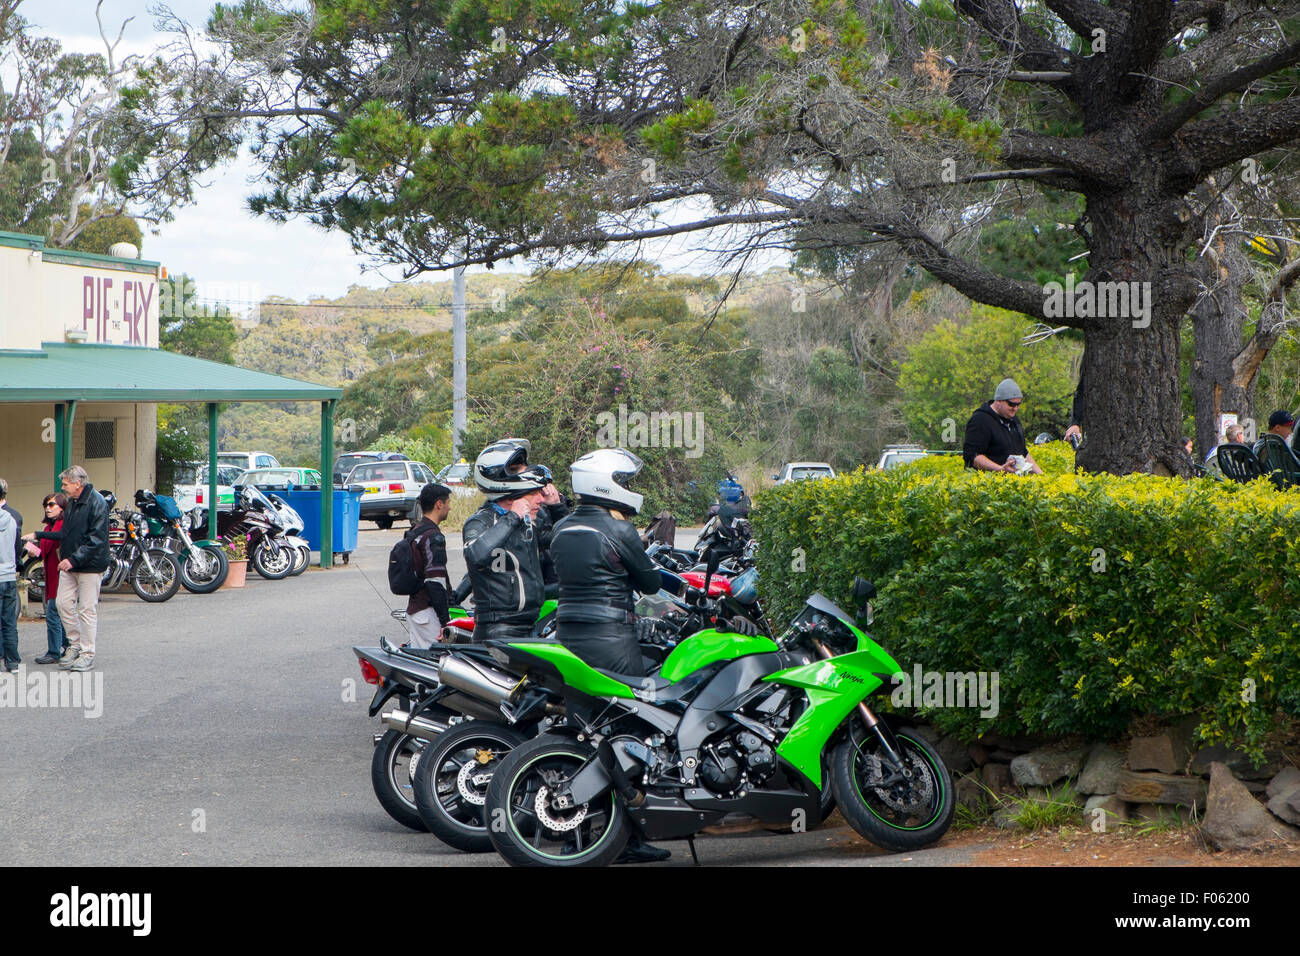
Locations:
711 568
863 590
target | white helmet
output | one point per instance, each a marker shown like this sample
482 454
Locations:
601 478
501 471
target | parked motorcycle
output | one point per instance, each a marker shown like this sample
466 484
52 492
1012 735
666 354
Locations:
729 724
154 573
203 564
270 552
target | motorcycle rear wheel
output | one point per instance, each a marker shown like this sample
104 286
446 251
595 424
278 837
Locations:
594 834
452 799
391 776
204 568
891 811
273 566
162 583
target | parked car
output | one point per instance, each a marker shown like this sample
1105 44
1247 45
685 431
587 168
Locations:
390 489
280 478
895 455
346 462
800 470
244 460
191 485
457 477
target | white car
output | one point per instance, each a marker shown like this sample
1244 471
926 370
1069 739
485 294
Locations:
244 460
801 470
191 485
389 489
895 455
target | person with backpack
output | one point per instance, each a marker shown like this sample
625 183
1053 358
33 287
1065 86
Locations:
417 566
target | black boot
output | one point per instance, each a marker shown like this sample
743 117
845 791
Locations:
638 851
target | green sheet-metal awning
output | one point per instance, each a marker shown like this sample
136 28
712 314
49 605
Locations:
123 373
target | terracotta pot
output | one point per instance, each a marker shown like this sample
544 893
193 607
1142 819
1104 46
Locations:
235 577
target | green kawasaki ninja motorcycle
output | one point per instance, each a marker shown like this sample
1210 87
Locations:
729 724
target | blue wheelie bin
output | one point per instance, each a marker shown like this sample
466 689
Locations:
346 516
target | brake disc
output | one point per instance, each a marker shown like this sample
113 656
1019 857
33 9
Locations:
542 806
902 796
473 786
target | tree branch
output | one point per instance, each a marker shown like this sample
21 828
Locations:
1084 16
973 281
1218 86
1246 363
1001 20
1242 133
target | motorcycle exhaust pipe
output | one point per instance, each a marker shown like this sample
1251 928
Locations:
420 727
477 680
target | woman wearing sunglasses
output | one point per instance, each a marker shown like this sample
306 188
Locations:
48 549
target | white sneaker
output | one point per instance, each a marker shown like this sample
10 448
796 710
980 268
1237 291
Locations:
70 655
83 663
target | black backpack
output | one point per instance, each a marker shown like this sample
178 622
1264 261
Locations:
402 578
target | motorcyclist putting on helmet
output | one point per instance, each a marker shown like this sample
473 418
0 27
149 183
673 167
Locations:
500 541
600 561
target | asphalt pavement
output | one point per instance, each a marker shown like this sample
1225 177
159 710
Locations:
231 729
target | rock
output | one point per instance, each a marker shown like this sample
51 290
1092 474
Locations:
1041 768
1115 811
1019 745
1285 781
969 792
1236 760
1167 752
1160 788
1234 820
978 755
954 754
997 777
1286 806
1005 818
1101 770
1178 816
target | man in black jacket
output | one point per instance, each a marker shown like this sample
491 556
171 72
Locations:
994 437
426 611
83 547
505 568
600 561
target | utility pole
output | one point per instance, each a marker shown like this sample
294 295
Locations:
458 383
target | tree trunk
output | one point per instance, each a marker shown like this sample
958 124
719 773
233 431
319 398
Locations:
1131 368
1218 320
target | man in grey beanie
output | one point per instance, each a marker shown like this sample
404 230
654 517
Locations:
994 435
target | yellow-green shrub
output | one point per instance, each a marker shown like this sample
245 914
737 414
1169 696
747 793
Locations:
1097 599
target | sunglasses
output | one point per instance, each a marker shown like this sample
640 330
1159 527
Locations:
1014 404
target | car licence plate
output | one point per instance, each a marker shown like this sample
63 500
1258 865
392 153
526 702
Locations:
372 489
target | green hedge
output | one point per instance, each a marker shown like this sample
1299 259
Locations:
1096 599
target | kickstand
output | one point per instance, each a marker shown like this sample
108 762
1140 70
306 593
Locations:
690 841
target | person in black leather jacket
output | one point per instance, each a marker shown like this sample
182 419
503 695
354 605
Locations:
500 540
600 562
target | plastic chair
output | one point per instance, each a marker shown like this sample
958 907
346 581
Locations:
1238 463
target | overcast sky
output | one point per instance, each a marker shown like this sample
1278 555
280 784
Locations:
217 240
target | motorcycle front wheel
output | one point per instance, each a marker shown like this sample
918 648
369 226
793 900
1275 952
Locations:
526 826
273 565
452 780
161 582
301 558
392 771
33 572
894 810
204 568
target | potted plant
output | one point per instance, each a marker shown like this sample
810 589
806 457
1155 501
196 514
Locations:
236 549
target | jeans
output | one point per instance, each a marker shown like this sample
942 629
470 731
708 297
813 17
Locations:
53 628
9 621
